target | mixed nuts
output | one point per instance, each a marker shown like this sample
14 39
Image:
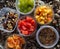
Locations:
11 20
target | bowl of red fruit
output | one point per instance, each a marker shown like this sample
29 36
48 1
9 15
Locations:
26 26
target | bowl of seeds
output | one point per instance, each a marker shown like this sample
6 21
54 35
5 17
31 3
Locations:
47 36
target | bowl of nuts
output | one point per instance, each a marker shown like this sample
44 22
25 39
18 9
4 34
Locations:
11 21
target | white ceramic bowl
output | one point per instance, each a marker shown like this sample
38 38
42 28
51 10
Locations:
55 42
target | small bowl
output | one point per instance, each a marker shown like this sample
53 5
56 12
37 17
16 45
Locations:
12 35
52 45
42 4
19 30
5 10
22 12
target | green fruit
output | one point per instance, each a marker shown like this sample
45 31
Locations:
25 5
